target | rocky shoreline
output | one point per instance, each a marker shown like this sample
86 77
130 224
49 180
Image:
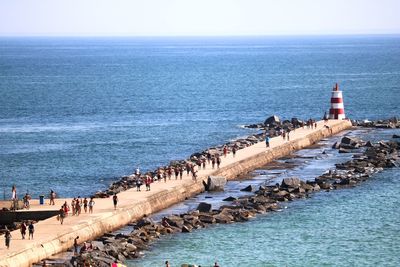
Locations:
368 159
384 123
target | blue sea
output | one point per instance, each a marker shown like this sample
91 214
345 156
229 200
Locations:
78 113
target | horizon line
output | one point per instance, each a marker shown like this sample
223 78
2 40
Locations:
202 36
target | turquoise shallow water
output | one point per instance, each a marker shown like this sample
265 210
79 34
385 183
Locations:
352 227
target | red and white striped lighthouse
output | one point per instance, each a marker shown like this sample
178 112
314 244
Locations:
336 111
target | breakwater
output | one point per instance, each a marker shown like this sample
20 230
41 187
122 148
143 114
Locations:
55 239
374 158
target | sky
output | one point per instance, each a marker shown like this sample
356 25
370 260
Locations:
197 17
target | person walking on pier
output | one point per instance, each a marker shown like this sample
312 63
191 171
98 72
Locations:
62 215
7 237
91 204
115 201
52 197
180 172
218 161
26 199
23 230
234 149
267 139
148 181
31 230
85 204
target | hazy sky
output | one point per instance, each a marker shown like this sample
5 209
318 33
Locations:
198 17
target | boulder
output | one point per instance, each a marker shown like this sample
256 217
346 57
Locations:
230 199
273 120
186 229
348 140
204 207
216 183
223 218
396 136
292 182
336 145
175 221
248 188
205 218
369 144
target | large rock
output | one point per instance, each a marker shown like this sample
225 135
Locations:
204 207
273 120
216 183
292 182
248 188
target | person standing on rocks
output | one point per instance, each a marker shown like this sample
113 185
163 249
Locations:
7 237
23 230
31 230
115 201
234 149
225 151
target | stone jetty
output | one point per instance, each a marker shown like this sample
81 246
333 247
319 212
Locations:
119 247
51 237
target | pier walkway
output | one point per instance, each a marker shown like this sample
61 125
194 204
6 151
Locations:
50 237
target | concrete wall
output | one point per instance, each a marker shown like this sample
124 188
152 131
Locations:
244 166
112 221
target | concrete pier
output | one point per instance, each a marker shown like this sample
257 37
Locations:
50 237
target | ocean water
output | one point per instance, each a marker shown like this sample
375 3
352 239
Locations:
77 113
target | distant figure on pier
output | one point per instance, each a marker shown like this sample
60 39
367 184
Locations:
76 245
31 230
26 200
7 237
115 201
91 204
148 182
267 139
225 151
61 216
14 192
234 149
138 183
52 197
23 230
85 204
218 161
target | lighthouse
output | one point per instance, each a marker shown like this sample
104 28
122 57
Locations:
336 111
